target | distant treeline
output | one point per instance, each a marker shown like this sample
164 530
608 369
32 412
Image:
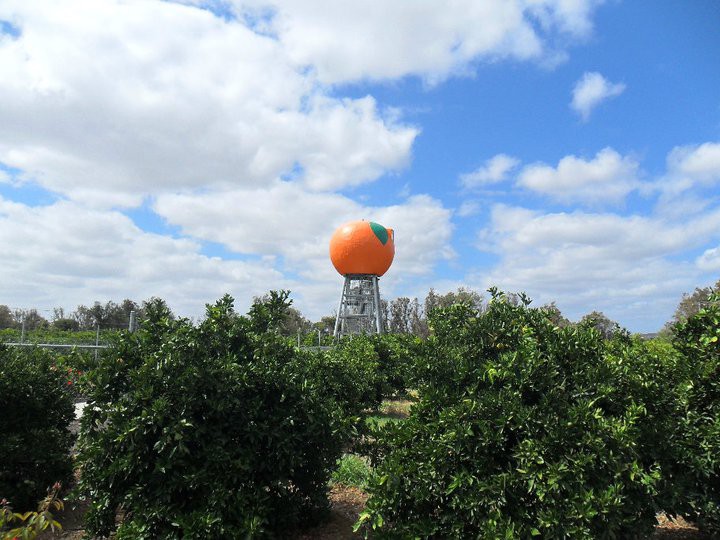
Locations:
402 315
110 315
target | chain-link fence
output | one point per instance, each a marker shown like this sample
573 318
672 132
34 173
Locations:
28 328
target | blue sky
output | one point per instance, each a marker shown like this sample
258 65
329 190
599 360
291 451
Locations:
568 149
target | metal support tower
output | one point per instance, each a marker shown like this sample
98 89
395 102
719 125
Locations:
359 309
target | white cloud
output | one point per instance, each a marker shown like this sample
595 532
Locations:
348 41
691 170
65 254
591 90
622 265
690 165
609 177
494 171
709 261
117 102
296 224
468 208
125 99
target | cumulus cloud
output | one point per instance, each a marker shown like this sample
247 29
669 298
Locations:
348 41
236 128
116 102
709 261
591 90
494 171
296 224
64 254
623 265
691 165
692 172
608 177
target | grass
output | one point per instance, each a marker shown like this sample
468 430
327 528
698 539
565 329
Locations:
390 410
352 471
395 408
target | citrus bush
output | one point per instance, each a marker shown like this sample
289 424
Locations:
351 374
522 429
35 411
397 354
215 430
698 448
653 374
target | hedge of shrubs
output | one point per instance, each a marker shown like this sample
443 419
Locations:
36 408
220 430
522 429
696 461
525 429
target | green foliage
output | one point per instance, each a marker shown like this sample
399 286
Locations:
28 525
219 430
350 373
397 354
522 429
698 449
35 411
269 312
352 471
57 336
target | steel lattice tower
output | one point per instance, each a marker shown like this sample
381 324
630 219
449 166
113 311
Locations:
359 311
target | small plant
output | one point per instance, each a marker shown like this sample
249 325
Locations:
352 471
28 525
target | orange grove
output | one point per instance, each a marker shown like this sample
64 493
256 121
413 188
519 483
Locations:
362 247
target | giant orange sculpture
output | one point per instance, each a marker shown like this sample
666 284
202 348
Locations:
362 251
362 247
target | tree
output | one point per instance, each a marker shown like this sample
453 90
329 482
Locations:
111 314
691 304
272 311
385 314
553 313
418 323
294 322
30 318
326 324
400 315
6 317
598 320
70 325
463 295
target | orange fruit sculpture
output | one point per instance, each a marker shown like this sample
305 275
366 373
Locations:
362 247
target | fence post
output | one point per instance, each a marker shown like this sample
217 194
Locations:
133 322
22 331
97 339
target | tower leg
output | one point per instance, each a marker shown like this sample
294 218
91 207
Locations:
378 314
341 306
